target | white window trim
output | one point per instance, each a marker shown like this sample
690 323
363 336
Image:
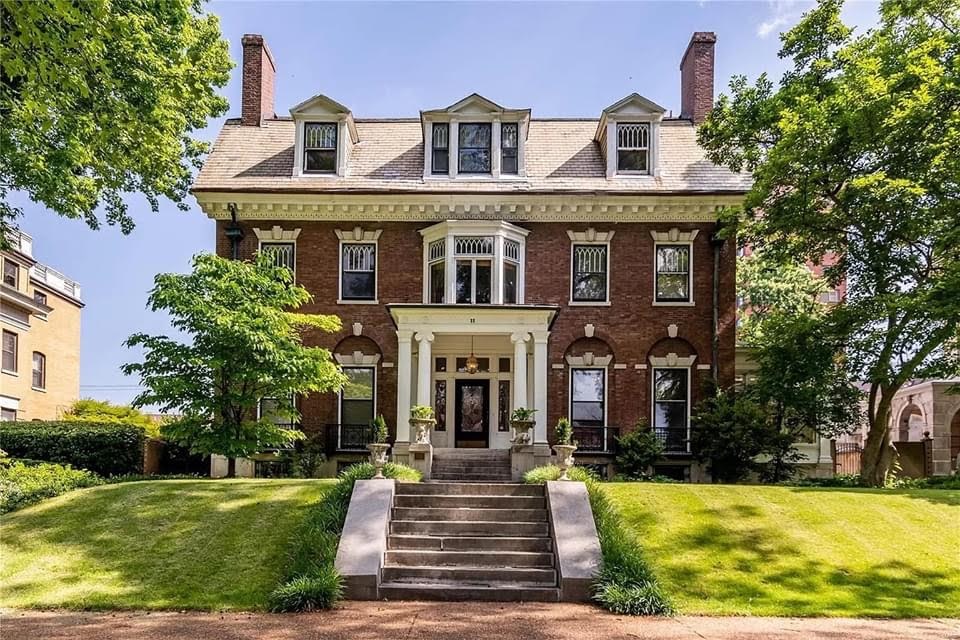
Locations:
279 235
500 231
453 147
648 149
674 237
606 391
653 147
655 362
16 357
589 237
373 368
358 235
341 156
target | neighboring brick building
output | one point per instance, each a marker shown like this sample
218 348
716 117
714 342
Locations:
482 259
40 320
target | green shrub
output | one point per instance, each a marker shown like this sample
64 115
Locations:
310 580
637 452
104 448
625 584
23 484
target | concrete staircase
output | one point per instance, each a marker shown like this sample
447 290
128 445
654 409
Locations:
469 541
471 465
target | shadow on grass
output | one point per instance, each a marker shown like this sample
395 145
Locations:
737 559
166 544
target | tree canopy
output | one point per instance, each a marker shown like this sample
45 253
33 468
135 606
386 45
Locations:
245 345
99 99
856 153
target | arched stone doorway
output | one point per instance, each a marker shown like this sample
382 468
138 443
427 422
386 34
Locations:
911 424
955 440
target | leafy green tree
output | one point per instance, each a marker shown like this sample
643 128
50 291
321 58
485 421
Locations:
728 432
638 451
857 153
99 98
101 411
768 284
246 345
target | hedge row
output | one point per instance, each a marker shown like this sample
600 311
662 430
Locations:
104 448
24 484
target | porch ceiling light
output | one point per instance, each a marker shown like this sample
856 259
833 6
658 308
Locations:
473 366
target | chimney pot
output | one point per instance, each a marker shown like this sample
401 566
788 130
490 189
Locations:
696 77
259 74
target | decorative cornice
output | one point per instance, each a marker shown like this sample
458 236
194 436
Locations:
674 235
672 360
276 234
357 234
591 235
356 358
589 360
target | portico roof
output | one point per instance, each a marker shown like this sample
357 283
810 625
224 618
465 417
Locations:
461 318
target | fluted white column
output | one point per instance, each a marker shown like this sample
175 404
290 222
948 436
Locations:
404 373
520 369
424 358
540 385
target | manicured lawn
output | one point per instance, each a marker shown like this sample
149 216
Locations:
169 544
731 550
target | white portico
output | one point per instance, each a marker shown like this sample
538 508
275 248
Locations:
473 364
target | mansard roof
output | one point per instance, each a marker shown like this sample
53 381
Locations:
562 156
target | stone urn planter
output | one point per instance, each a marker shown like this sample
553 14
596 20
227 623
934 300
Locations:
522 431
378 457
564 458
421 428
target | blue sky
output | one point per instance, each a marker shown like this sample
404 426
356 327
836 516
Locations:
393 59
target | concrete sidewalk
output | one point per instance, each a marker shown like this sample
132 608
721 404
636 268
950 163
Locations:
449 621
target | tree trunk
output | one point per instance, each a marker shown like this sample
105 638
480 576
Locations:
231 467
877 453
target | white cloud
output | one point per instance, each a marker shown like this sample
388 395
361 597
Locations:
767 27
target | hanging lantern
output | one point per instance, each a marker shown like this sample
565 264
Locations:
473 366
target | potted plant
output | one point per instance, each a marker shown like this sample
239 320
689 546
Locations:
378 448
564 447
522 422
421 419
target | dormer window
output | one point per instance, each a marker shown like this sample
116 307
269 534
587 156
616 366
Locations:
441 149
475 142
633 148
320 147
509 139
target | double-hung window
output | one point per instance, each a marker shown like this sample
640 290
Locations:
9 362
440 162
279 411
320 147
673 273
474 143
590 273
11 273
588 397
357 398
283 254
511 270
633 148
671 407
509 146
474 266
39 297
436 257
39 373
358 271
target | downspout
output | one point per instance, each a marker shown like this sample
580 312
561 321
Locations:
717 242
234 233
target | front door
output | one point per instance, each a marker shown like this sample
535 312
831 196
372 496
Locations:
472 413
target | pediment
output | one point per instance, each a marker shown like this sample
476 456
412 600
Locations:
476 105
321 106
634 104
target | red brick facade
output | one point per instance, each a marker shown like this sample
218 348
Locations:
696 77
631 328
259 75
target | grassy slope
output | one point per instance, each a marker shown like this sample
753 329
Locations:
153 545
799 551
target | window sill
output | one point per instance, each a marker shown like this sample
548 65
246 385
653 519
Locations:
40 389
477 177
583 303
10 373
633 174
309 174
358 302
689 303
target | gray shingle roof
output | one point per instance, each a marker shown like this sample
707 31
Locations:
561 156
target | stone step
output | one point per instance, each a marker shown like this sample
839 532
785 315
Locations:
474 502
521 576
461 514
468 593
470 543
446 452
489 528
425 558
468 469
432 488
470 477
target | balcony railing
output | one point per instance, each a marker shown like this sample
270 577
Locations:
675 440
593 439
347 438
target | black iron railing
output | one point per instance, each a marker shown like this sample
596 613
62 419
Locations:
596 439
347 438
675 440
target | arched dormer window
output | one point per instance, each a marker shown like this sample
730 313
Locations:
473 262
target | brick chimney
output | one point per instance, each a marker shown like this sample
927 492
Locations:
696 77
259 73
